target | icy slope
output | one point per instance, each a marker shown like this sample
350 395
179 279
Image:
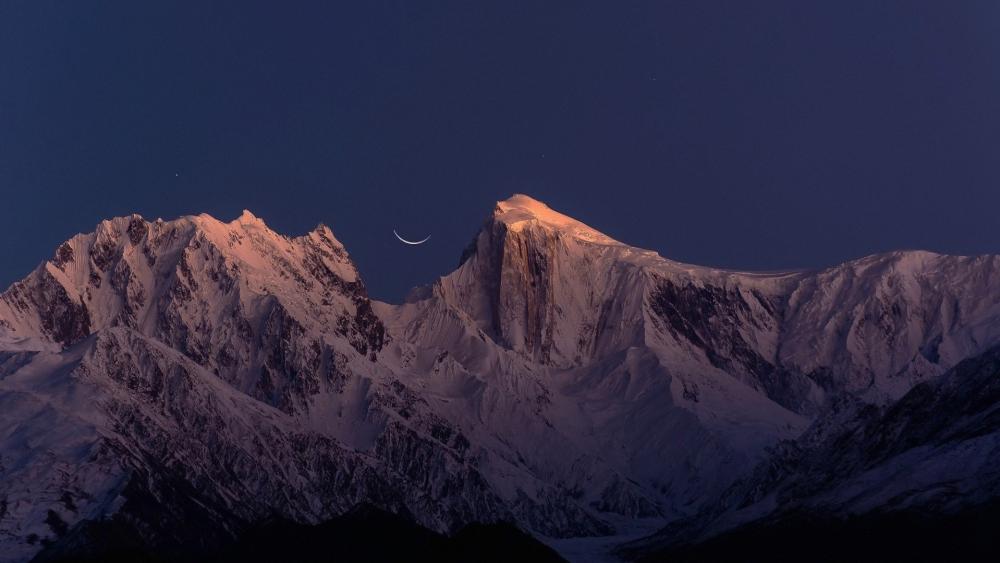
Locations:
934 452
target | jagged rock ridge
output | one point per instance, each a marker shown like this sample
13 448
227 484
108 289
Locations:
558 378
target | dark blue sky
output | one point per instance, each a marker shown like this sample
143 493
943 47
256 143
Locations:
739 134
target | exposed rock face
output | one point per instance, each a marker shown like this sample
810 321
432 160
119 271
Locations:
558 378
552 291
60 318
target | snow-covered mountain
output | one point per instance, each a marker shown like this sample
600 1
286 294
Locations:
223 373
679 376
929 459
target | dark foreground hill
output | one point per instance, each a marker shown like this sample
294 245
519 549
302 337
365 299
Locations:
363 535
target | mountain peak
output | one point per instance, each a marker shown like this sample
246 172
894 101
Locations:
520 207
248 218
519 211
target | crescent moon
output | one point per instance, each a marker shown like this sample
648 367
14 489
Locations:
410 241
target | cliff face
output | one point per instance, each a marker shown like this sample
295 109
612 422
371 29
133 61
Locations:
557 378
549 287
